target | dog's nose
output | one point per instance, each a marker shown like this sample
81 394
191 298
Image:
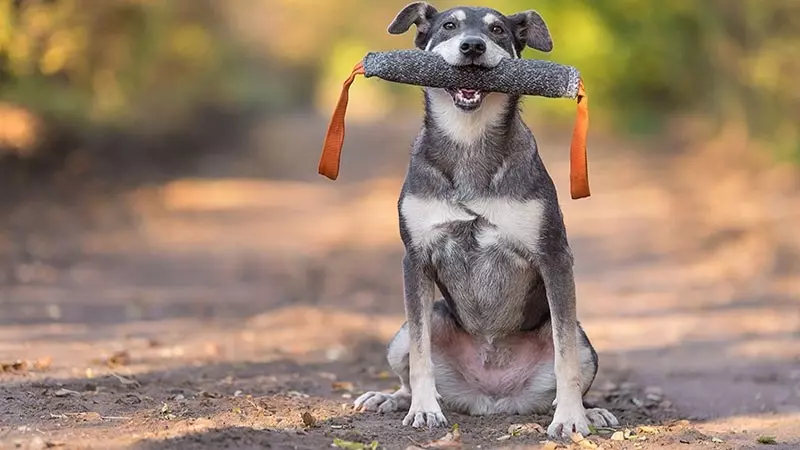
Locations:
472 47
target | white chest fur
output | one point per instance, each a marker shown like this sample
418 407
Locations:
517 221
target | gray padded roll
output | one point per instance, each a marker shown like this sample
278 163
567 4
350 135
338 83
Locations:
511 76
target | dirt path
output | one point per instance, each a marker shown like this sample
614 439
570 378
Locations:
230 306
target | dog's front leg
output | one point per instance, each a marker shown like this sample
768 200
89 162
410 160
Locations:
559 281
419 292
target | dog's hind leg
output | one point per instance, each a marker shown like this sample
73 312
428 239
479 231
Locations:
599 417
398 360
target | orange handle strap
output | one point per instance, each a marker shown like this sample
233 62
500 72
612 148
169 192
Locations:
334 140
578 165
331 157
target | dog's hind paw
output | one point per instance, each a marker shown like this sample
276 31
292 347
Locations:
382 402
600 417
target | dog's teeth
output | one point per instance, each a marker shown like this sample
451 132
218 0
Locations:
472 100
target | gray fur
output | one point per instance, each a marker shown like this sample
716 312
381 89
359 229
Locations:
479 218
419 14
532 31
511 76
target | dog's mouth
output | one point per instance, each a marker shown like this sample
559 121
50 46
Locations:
466 99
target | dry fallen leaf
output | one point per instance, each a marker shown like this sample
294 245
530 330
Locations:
42 364
16 366
526 428
345 386
576 437
121 358
628 434
647 429
308 419
618 436
450 440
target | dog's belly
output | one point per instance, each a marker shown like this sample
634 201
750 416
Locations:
513 375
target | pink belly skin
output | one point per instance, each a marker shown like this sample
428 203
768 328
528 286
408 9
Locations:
502 368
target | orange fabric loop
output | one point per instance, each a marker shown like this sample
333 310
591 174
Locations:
334 140
578 164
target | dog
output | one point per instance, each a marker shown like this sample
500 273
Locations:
480 220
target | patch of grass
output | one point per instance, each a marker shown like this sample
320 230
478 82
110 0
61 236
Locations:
767 440
348 445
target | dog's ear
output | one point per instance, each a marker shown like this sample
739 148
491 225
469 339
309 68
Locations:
417 13
530 30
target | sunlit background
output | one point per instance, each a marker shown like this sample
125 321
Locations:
159 199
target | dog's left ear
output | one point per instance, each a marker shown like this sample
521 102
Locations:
418 13
530 30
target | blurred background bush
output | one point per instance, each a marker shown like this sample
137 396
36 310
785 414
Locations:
89 66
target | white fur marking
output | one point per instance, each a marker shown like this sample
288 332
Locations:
513 220
466 128
449 50
494 53
424 216
399 348
489 19
460 15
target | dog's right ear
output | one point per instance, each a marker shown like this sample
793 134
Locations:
417 13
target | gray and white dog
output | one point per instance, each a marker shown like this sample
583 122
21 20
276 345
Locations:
480 220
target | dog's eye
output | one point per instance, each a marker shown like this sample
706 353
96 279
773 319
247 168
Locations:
497 29
449 26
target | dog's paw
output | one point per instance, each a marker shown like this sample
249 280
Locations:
600 417
428 414
567 421
382 402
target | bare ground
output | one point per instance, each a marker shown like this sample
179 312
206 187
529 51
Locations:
215 310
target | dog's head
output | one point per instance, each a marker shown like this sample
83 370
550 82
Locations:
472 36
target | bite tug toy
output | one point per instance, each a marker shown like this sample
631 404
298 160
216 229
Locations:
511 76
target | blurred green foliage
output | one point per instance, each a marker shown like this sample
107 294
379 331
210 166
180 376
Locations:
643 61
128 61
112 62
